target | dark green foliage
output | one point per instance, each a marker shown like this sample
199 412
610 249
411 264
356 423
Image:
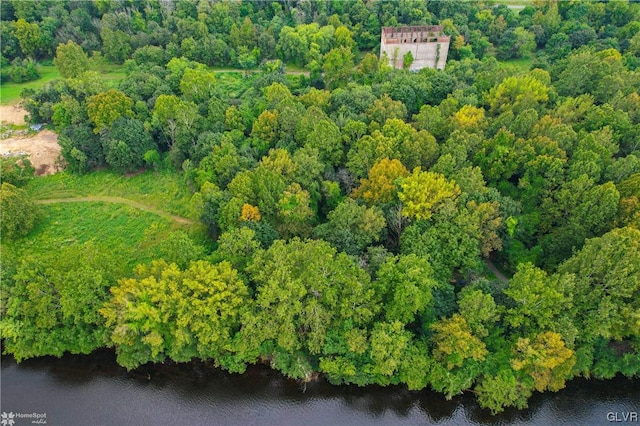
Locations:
81 148
125 144
351 228
21 70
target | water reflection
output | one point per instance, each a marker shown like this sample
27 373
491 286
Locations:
94 390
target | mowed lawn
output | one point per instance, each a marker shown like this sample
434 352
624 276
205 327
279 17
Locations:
10 92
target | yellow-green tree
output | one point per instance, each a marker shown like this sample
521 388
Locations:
422 192
380 187
518 94
294 212
455 343
266 126
546 360
29 37
197 84
70 60
106 107
164 312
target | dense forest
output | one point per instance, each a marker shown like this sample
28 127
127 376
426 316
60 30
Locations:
349 209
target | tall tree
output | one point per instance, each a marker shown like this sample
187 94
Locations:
18 212
422 192
304 289
165 312
53 303
352 227
106 107
70 60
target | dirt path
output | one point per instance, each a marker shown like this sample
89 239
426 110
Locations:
495 271
118 200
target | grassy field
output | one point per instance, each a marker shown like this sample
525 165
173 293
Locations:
517 66
112 74
128 235
233 83
161 190
10 92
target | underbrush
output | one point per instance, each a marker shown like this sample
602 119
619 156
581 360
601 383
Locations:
162 190
129 235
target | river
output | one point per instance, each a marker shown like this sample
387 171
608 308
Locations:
93 390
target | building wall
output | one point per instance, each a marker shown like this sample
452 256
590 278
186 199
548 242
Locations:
425 55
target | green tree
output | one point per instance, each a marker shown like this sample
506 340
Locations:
326 138
70 60
607 285
115 44
166 312
294 212
177 119
338 67
18 213
576 211
53 303
386 108
197 85
450 240
479 310
106 107
125 144
516 43
405 285
352 227
316 290
504 389
541 301
81 148
422 192
238 247
180 249
29 37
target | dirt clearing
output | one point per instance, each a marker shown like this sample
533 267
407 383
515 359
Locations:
12 114
42 148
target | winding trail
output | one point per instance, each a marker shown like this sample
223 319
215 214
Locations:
495 271
118 200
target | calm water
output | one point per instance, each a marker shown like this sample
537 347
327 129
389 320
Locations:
92 390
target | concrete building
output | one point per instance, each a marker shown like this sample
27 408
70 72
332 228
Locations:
427 44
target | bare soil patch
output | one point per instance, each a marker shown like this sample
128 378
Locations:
42 149
12 114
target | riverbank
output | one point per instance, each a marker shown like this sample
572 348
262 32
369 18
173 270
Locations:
93 389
